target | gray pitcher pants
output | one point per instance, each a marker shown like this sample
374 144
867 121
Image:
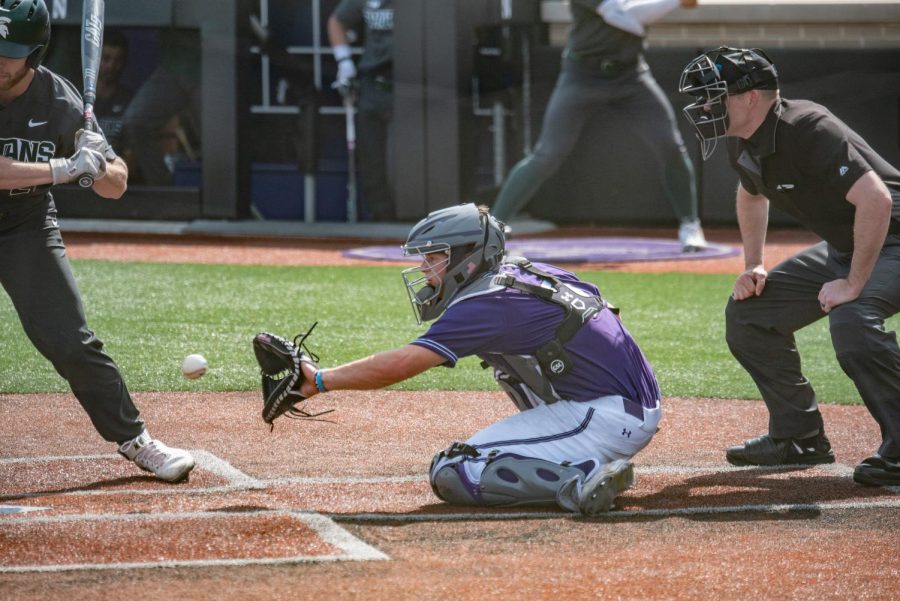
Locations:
760 333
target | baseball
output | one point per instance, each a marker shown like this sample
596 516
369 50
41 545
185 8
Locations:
194 366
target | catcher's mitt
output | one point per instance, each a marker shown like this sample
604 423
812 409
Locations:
279 363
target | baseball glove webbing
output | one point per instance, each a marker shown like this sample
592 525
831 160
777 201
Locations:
280 367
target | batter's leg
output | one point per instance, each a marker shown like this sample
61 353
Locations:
36 274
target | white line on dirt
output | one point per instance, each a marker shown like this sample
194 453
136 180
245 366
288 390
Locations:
236 479
353 548
615 515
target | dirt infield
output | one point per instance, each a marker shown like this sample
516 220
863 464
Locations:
342 510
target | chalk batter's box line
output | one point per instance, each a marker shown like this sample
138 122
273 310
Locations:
354 549
236 479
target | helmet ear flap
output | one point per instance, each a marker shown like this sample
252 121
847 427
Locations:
37 56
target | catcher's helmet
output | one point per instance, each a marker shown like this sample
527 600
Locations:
24 30
474 242
713 75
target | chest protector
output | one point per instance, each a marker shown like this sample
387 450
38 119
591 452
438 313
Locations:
527 379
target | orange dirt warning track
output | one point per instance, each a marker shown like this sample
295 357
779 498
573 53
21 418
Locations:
343 510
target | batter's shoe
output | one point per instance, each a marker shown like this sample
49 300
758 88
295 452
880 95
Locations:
878 471
596 495
765 450
166 463
691 237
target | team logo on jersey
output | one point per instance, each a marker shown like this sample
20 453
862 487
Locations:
377 18
27 151
4 26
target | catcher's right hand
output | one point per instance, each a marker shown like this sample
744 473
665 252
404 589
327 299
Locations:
280 362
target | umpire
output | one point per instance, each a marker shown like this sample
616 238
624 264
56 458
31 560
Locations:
40 116
807 162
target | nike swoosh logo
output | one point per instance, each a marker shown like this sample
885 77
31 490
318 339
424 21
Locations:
33 123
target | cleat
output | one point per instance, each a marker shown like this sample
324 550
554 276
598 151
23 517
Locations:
166 463
765 450
878 471
691 237
599 492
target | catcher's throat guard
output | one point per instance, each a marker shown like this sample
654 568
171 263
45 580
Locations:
282 375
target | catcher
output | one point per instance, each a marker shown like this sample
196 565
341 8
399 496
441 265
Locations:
588 400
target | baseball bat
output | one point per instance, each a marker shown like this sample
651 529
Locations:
91 49
350 111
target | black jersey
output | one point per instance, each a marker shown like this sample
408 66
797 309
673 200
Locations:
377 19
592 38
805 160
37 126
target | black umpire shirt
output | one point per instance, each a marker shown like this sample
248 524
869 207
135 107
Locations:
805 160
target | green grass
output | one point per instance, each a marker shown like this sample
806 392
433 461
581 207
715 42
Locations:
151 315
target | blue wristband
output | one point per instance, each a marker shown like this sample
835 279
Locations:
319 383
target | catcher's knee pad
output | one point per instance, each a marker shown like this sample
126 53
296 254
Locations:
506 480
515 480
449 478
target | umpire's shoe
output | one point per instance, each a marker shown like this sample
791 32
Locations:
166 463
596 495
878 471
766 450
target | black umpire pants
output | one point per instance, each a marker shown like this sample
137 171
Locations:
760 333
35 272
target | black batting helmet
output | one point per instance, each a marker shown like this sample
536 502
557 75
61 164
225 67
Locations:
24 30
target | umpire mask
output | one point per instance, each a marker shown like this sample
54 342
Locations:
465 241
711 77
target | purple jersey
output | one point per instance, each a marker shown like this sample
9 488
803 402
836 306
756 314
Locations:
607 361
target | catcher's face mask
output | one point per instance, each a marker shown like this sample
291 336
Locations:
424 283
461 243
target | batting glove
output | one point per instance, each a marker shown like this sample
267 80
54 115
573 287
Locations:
346 71
84 161
95 141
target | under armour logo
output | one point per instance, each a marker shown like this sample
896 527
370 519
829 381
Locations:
626 433
843 170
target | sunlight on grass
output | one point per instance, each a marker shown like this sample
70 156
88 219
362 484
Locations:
151 315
